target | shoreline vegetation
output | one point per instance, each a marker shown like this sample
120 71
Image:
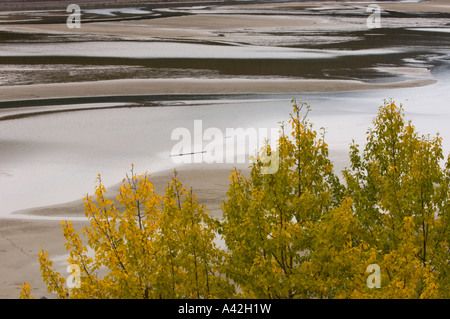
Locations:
297 232
21 239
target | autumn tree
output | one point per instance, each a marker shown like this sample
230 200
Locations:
401 198
289 233
294 232
143 246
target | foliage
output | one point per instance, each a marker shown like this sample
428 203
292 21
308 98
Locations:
401 198
154 247
271 221
297 233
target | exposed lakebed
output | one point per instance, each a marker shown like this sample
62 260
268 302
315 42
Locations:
53 148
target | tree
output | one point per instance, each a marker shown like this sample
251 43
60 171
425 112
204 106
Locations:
275 225
400 195
301 235
294 232
153 247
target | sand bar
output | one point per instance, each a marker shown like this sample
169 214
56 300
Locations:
203 26
191 86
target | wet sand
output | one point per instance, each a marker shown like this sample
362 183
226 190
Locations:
191 86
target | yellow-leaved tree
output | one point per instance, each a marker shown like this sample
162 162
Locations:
292 234
401 197
147 247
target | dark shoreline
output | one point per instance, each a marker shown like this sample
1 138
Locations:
92 4
99 4
24 5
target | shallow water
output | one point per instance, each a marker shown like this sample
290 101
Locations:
55 158
52 151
